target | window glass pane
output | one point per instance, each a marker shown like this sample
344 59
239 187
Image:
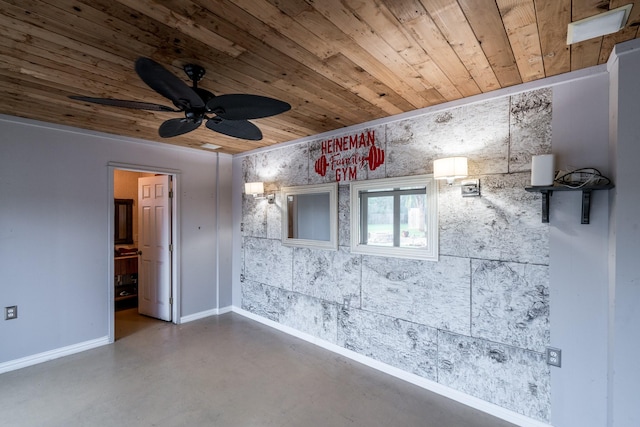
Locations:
380 220
395 217
309 216
413 221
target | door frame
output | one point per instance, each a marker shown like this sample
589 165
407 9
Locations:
175 237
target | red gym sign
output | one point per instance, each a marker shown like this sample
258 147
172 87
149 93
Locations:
345 155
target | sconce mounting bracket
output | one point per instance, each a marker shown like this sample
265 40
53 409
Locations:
470 188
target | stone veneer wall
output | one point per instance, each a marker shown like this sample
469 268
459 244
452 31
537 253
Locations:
478 319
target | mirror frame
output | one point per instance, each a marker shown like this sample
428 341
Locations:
128 220
332 189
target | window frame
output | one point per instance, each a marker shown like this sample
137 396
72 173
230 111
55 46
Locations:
392 187
332 190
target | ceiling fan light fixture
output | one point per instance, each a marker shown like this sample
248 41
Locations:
232 111
598 25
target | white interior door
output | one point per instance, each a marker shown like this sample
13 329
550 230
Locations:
154 264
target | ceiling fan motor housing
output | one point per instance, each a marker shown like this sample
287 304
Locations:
195 72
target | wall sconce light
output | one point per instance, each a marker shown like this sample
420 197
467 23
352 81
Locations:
256 189
451 168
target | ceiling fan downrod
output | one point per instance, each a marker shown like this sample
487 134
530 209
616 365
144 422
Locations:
195 73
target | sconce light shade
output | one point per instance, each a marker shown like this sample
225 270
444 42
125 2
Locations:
254 188
450 168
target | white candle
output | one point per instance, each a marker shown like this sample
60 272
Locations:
542 169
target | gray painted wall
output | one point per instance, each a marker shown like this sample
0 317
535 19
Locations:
225 230
579 257
54 216
624 238
476 321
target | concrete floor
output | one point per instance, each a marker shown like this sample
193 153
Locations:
219 371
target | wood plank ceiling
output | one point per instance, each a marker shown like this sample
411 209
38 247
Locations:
337 62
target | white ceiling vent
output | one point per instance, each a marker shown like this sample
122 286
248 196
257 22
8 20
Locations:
598 25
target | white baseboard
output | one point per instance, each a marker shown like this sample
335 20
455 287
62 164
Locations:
12 365
474 402
199 315
206 313
225 310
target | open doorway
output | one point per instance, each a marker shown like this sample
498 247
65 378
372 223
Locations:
143 266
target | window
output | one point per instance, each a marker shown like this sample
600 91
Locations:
310 216
395 217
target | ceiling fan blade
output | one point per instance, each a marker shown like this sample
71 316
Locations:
125 103
168 85
237 128
175 127
243 106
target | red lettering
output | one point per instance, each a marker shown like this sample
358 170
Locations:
371 137
349 142
346 174
353 141
353 173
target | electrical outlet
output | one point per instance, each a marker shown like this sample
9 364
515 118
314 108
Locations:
11 312
554 356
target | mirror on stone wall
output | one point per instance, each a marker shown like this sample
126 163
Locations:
310 216
123 221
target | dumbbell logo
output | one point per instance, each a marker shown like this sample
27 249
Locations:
375 158
321 166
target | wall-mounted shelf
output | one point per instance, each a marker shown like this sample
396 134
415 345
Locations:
586 197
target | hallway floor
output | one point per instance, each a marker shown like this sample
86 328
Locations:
129 322
219 371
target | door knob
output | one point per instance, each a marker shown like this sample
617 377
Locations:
139 252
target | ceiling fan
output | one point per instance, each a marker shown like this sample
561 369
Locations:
227 114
